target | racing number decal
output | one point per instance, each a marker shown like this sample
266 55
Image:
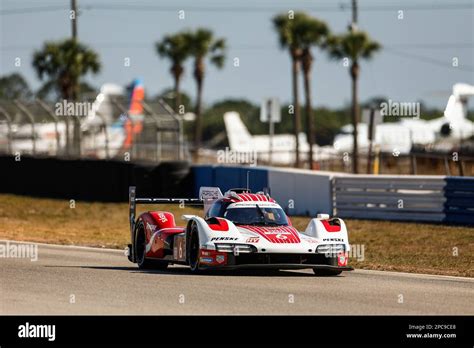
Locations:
179 249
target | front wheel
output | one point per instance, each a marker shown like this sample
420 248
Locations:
331 261
194 249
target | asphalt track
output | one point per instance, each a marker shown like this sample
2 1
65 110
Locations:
75 280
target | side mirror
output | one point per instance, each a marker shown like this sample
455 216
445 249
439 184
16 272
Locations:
322 216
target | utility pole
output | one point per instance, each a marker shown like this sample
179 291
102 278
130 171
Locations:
354 11
74 19
355 106
353 24
271 131
76 138
371 139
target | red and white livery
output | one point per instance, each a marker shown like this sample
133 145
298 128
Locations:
239 230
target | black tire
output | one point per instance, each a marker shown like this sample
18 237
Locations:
332 261
140 245
193 254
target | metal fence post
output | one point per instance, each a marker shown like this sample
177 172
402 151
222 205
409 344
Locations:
9 125
50 112
32 121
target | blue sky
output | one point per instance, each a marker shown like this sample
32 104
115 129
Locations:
415 64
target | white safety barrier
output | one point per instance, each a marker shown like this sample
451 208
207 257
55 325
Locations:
301 192
390 197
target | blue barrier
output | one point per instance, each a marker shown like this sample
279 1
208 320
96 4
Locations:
233 177
459 205
202 176
226 177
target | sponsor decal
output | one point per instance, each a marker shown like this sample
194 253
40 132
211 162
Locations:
284 234
253 240
342 259
210 193
333 240
223 238
37 331
206 260
220 258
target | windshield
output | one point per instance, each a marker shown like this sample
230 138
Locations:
256 216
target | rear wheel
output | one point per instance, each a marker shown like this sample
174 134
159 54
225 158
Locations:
140 251
331 261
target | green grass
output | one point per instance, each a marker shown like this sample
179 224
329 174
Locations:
396 246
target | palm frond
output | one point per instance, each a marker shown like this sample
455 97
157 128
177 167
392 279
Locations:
352 45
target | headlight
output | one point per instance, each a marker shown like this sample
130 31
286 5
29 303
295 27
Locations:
235 248
225 248
330 249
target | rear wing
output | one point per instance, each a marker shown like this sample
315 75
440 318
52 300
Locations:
209 195
133 200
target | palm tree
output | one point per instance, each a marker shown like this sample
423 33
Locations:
312 32
289 38
176 49
63 63
202 45
354 45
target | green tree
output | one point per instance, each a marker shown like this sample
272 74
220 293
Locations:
14 86
175 48
48 91
289 38
213 120
312 32
63 64
354 45
203 44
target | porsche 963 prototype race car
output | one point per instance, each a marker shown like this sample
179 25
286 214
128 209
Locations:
239 230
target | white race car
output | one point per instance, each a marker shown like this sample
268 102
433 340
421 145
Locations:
240 230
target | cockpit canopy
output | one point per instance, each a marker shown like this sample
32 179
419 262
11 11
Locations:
249 213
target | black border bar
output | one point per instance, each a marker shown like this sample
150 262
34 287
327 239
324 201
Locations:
223 330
